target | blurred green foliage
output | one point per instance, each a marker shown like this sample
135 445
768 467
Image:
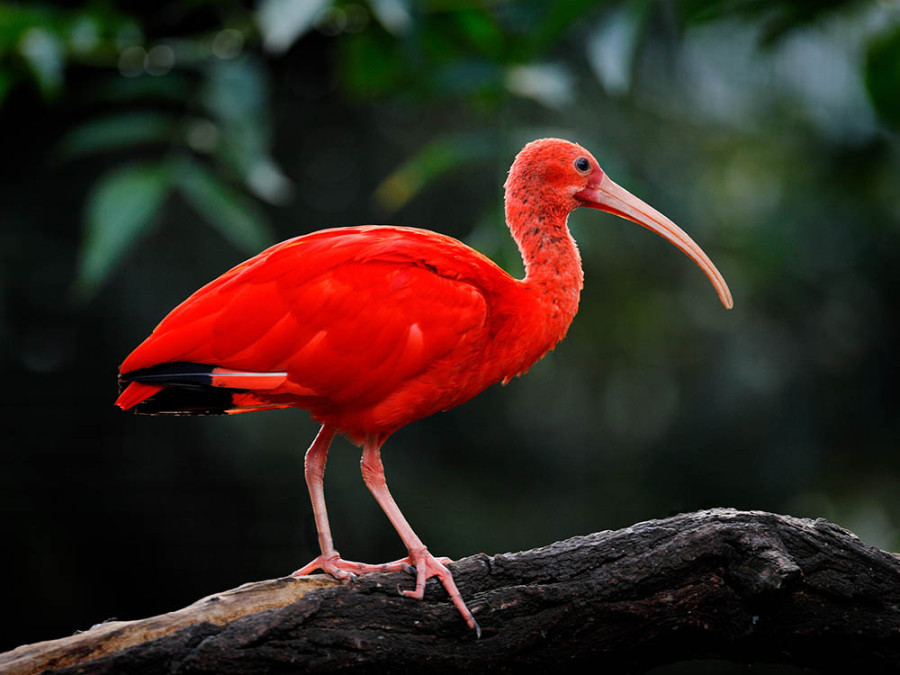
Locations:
769 131
184 96
883 74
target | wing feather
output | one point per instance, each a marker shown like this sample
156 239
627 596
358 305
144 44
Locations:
349 314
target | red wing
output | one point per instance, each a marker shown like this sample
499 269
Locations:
349 314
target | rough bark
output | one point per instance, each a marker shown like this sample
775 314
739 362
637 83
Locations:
724 584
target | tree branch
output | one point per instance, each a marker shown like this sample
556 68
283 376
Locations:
725 584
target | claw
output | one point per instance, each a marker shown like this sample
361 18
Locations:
428 566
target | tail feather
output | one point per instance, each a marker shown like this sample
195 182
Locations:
183 388
135 393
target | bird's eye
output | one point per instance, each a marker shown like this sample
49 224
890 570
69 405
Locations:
582 165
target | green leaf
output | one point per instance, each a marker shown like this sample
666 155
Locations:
224 207
394 15
555 18
236 95
174 87
120 207
481 32
45 56
15 21
883 76
237 90
370 64
116 132
283 22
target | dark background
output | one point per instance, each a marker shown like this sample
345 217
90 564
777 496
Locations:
148 147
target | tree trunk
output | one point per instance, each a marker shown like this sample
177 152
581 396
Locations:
723 584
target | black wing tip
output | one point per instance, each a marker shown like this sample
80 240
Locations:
187 390
180 401
177 373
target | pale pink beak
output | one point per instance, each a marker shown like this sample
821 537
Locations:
609 197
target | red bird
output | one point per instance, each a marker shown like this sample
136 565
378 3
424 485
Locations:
371 328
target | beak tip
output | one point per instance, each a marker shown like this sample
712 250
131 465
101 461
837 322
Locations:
727 300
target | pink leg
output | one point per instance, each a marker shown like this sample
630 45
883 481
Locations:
329 560
426 565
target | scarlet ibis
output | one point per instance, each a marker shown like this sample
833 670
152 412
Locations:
370 328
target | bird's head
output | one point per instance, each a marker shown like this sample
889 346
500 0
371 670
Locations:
564 176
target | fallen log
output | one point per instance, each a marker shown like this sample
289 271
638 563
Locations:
719 584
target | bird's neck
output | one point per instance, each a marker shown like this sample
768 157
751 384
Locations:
553 274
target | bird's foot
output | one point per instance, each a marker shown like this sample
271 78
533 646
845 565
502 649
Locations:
347 570
428 566
419 563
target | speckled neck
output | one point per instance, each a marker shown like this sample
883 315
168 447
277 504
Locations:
537 220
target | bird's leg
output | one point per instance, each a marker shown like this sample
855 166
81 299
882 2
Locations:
426 565
329 560
314 471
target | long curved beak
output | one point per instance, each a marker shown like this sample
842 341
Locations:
609 197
